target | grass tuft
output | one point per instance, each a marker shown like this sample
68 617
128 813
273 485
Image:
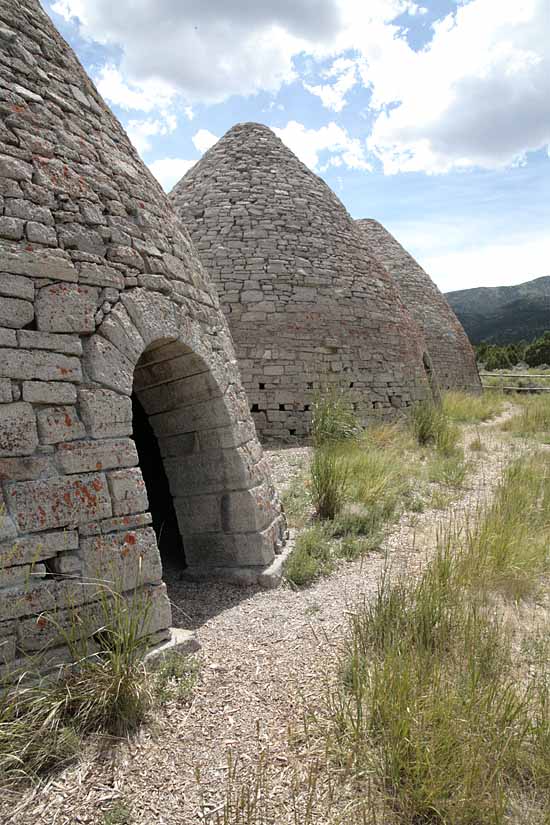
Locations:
431 427
333 418
311 558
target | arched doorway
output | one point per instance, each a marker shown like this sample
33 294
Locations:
432 380
161 506
188 386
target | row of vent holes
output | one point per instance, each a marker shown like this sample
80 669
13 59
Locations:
256 408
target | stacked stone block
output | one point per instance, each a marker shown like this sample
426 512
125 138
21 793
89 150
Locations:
451 354
306 305
102 294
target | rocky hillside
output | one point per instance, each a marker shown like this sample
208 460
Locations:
504 314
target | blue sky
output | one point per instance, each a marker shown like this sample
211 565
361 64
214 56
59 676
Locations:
432 117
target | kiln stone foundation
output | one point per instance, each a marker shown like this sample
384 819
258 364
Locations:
451 353
102 295
306 305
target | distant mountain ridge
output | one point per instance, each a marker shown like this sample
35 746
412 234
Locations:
504 314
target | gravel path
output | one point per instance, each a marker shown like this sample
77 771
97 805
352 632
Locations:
264 653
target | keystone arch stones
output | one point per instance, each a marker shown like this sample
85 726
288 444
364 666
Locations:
102 295
305 302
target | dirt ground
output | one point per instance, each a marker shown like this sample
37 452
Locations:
264 655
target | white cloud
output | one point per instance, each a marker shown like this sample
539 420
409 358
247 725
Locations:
477 95
203 140
495 264
332 141
144 96
140 132
189 113
208 50
168 171
464 253
333 95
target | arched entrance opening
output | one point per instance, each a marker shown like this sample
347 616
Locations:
432 380
161 505
201 465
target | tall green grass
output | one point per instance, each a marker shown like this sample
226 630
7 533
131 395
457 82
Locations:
533 420
105 688
466 408
332 417
430 702
431 427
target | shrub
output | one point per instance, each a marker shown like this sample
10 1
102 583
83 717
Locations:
333 418
539 351
311 557
329 478
106 689
431 426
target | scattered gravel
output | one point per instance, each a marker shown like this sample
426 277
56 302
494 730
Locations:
264 654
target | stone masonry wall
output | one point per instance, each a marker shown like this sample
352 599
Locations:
305 304
451 353
102 293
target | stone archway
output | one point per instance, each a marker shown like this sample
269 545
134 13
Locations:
228 516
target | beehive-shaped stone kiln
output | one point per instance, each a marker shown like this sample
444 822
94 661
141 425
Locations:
306 305
102 297
453 359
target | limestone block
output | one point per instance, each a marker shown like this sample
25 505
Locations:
39 263
6 394
198 514
38 233
105 413
18 434
155 316
229 550
31 549
101 275
15 286
28 211
8 529
49 392
32 339
161 371
14 168
84 456
47 630
66 564
204 415
113 525
26 468
123 560
21 574
15 313
66 308
57 424
126 255
28 365
58 502
128 492
119 329
75 236
8 338
105 364
247 510
179 393
27 599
